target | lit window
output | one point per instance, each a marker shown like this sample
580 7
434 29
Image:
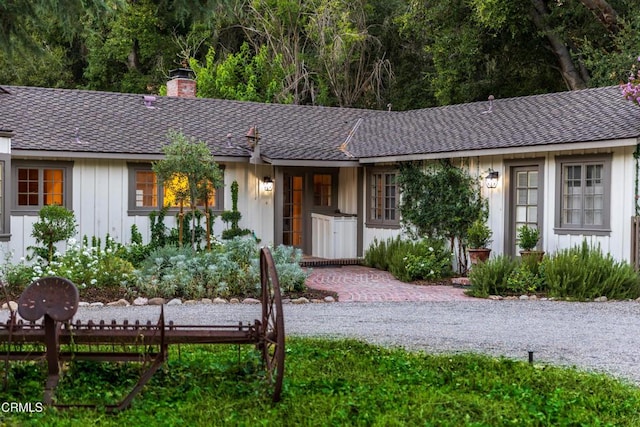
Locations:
146 189
322 190
178 189
146 194
40 185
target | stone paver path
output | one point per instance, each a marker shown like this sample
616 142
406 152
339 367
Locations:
364 284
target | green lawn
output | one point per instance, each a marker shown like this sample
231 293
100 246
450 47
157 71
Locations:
332 383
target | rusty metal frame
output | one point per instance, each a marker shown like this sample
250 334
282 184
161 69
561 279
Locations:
55 300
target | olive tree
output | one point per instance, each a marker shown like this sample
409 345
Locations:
190 161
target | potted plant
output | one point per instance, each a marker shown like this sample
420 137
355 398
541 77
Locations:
478 238
528 238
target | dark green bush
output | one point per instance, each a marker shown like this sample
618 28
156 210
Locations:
583 273
491 276
408 260
377 256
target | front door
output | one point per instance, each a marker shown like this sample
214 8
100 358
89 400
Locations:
293 208
305 191
525 202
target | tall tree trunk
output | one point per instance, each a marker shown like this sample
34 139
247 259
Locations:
606 14
133 59
570 73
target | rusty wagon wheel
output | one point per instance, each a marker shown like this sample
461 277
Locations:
272 326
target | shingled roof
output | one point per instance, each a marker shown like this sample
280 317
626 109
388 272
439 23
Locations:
589 115
61 120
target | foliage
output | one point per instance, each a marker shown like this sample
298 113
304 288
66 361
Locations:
524 279
135 252
232 217
490 277
426 259
159 230
16 277
55 223
360 384
192 160
88 265
581 273
379 252
478 234
631 89
407 53
442 201
528 237
231 269
584 273
243 76
290 275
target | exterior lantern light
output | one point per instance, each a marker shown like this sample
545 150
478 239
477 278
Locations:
492 179
267 183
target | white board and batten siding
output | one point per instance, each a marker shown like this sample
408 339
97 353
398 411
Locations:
254 203
100 204
622 208
622 199
622 202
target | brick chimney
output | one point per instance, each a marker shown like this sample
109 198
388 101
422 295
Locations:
182 83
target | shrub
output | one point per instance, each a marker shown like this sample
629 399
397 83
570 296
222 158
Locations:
136 251
287 261
528 237
478 234
55 224
408 260
490 277
232 269
87 265
16 276
377 255
583 273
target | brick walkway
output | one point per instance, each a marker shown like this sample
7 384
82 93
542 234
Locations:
363 284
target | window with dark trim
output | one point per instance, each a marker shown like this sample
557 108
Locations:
382 196
322 190
38 184
583 189
146 194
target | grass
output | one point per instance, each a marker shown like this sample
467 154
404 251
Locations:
333 383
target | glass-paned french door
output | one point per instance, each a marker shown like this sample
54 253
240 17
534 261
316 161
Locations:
526 200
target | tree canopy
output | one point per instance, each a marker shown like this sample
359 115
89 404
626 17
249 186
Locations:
398 54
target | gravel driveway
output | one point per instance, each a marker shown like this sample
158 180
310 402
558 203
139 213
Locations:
594 336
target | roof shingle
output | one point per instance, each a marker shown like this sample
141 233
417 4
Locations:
105 122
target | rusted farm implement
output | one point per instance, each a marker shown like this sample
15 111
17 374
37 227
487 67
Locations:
56 300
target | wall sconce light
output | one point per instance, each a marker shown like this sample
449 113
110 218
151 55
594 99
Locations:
267 183
492 179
